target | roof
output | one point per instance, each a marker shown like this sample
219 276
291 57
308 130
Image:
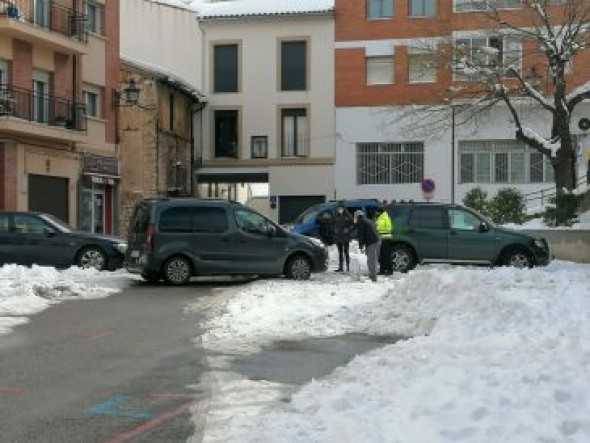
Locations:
244 8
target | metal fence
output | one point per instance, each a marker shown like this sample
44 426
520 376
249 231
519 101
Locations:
389 163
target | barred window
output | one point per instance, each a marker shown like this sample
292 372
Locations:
502 161
389 163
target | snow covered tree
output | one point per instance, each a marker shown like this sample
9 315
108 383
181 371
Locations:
531 54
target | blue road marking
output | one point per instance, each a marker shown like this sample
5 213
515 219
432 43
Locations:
111 407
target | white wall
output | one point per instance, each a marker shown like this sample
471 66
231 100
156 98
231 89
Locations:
375 125
163 36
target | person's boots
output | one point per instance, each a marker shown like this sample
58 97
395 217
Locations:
339 267
347 266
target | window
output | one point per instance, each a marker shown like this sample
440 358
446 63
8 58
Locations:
421 68
427 217
253 223
502 161
389 163
463 220
481 5
29 225
422 8
40 97
380 70
3 73
93 101
259 146
294 132
209 220
226 134
94 16
294 66
4 223
225 68
176 220
379 9
41 12
480 52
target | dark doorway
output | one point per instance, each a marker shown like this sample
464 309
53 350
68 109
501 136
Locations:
291 206
50 195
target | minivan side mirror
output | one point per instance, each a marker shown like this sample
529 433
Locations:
49 232
271 231
483 227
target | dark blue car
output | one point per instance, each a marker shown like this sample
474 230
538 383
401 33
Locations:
308 222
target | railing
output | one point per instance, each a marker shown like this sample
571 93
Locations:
42 108
48 15
538 199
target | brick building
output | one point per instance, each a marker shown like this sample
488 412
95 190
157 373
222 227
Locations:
382 67
58 70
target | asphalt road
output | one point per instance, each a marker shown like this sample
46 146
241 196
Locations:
109 370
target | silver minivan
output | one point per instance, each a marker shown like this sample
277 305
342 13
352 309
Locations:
175 239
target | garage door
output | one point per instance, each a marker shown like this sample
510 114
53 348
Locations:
291 206
49 194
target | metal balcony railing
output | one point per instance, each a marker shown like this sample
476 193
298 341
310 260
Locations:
42 108
49 15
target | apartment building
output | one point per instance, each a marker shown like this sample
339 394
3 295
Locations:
269 82
384 67
58 71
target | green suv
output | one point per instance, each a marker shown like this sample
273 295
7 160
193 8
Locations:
443 233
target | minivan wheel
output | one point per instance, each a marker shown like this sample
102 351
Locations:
177 271
402 258
92 257
518 258
298 268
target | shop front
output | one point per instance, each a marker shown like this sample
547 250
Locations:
98 194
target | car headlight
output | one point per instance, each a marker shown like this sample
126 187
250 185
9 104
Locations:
121 247
540 243
316 242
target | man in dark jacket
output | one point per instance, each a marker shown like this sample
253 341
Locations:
342 227
369 241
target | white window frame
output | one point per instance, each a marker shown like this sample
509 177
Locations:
377 68
40 98
510 53
381 15
91 90
294 132
423 8
93 9
482 5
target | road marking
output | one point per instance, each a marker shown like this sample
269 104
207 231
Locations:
111 406
9 391
143 428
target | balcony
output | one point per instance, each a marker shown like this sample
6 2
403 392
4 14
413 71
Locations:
44 22
45 116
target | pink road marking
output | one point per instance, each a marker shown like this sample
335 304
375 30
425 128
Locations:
143 428
4 390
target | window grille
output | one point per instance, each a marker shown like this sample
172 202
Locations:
390 163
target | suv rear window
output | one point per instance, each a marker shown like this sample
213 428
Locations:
427 217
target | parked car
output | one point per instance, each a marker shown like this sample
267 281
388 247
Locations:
32 238
177 238
445 233
309 221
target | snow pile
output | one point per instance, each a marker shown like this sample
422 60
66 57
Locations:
497 355
26 291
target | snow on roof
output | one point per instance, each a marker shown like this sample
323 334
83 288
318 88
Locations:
240 8
168 76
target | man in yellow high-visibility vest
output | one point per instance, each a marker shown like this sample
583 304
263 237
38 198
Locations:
384 227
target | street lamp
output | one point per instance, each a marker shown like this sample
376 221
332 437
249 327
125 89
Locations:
130 96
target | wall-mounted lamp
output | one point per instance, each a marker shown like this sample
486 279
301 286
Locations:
130 96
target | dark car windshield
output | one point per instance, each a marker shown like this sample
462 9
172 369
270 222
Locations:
63 226
308 215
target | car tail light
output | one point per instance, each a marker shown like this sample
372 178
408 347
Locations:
149 243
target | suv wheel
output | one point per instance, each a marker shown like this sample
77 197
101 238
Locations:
177 271
298 268
518 258
402 258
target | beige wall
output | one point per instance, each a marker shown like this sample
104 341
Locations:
43 58
5 47
93 68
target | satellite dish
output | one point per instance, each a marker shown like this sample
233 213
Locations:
584 124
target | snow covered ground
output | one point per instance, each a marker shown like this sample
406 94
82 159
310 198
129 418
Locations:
26 291
495 355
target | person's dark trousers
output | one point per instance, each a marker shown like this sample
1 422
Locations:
385 265
343 254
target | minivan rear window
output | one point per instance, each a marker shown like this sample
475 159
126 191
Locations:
209 219
141 220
